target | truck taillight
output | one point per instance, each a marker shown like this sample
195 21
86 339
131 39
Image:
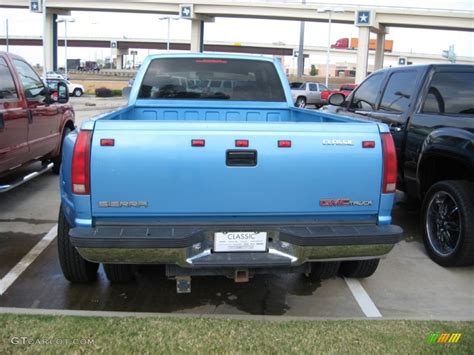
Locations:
80 164
389 164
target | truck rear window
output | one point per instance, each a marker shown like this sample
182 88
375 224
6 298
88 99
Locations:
211 79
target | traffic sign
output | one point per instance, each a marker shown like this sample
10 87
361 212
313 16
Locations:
363 18
186 11
113 44
402 61
36 6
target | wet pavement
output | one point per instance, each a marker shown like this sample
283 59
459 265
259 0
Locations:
407 283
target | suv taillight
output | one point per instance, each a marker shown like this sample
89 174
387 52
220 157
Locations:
80 164
389 184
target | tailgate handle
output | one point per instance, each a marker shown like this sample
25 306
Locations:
241 158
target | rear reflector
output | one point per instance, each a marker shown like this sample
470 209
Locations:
80 164
198 143
284 144
241 143
389 184
368 144
107 142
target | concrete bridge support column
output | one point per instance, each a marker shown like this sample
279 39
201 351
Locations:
119 63
380 51
197 35
362 54
50 41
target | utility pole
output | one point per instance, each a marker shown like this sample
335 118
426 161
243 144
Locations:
7 34
300 68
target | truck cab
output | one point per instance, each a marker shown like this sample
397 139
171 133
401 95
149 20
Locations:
430 112
32 123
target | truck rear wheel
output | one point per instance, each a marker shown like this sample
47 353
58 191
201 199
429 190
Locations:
324 270
119 273
75 268
448 223
359 268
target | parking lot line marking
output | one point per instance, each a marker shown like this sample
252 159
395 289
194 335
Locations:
363 299
27 260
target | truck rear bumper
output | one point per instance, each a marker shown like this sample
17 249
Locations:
192 246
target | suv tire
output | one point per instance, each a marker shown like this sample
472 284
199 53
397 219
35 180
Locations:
448 222
359 268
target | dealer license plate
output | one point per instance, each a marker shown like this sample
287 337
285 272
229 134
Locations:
240 241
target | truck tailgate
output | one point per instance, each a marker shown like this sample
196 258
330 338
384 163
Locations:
152 169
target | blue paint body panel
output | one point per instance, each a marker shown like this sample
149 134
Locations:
153 161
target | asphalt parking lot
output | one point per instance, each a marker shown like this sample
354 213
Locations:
406 285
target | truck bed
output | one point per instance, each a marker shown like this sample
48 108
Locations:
230 112
159 166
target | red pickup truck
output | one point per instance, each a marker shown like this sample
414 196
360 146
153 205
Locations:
34 120
345 90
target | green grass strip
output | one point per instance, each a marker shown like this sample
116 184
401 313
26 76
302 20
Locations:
64 334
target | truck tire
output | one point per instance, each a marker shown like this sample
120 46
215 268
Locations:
324 270
448 222
77 92
57 160
359 268
300 102
119 273
75 268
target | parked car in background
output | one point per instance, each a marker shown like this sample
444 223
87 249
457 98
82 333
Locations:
344 89
74 89
54 75
430 111
32 124
307 93
134 189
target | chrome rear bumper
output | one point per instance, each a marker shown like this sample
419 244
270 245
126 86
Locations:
192 247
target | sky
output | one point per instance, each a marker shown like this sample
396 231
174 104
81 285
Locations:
119 25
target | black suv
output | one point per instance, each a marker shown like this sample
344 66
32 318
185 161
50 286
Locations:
430 111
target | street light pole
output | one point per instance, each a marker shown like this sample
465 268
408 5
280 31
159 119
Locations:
330 11
329 48
7 34
65 48
168 18
65 20
168 39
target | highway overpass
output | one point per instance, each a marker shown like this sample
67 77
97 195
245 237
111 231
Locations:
381 18
226 47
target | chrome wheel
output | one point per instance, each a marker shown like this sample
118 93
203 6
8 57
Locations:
443 223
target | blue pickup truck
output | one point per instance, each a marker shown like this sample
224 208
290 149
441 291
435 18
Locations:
211 170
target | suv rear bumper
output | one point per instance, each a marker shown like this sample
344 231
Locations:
191 246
